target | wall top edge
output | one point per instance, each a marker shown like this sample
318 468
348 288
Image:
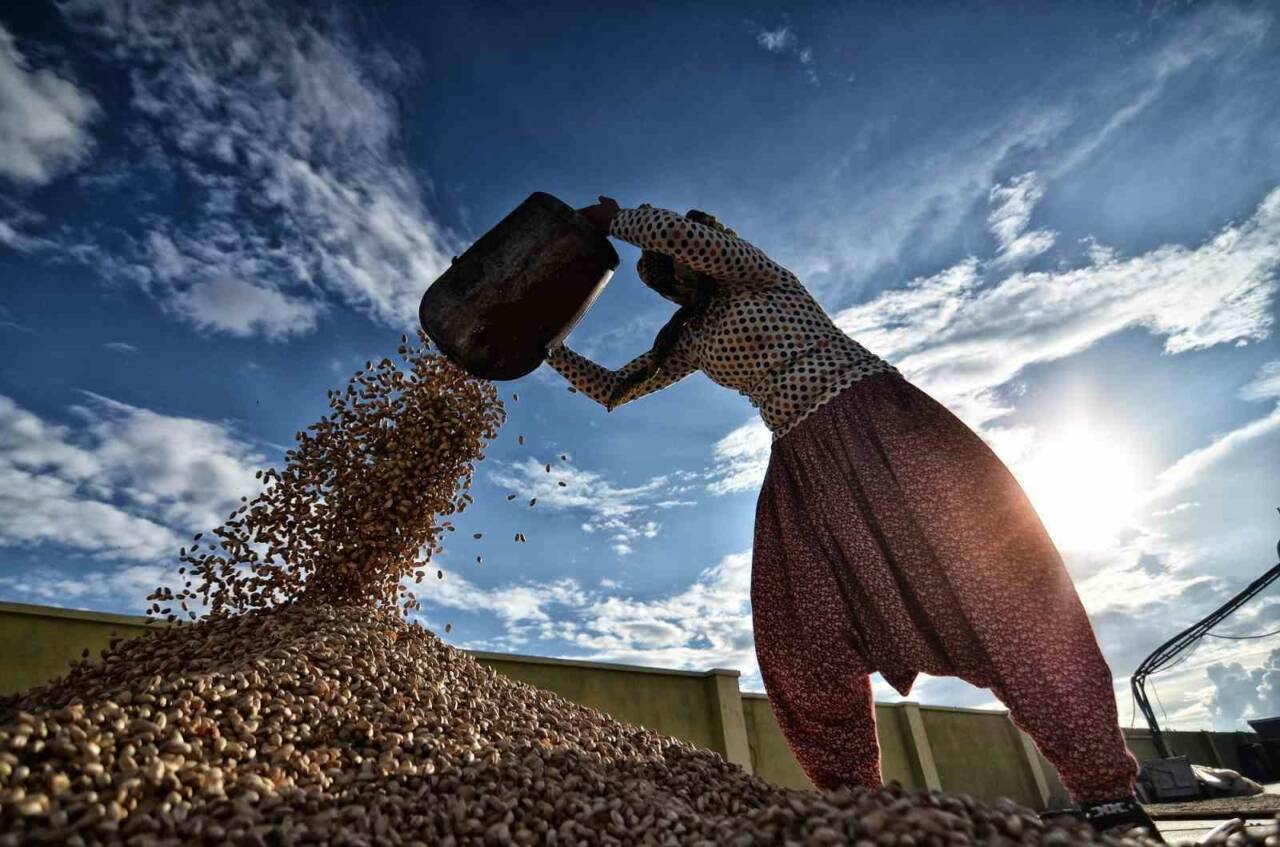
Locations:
74 614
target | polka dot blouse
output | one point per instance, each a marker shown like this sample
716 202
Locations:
763 334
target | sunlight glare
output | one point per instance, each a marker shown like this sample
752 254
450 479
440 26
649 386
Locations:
1084 485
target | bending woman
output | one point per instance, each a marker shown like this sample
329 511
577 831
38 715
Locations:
888 536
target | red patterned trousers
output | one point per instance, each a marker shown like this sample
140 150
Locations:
890 538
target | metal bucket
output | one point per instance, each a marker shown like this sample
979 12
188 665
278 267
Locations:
518 290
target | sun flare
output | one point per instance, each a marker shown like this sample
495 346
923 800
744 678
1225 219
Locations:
1084 484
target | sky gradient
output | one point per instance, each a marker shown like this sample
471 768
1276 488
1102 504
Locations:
1061 220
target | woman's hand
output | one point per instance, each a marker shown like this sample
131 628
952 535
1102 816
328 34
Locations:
601 214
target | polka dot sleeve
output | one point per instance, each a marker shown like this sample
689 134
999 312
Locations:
701 247
598 382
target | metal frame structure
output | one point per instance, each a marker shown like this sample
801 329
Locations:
1168 653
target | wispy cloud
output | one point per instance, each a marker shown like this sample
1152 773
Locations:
784 41
623 515
120 347
777 40
863 223
962 336
1128 587
1014 202
288 143
1219 34
1265 385
6 318
1190 466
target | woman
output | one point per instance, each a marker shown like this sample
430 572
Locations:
888 536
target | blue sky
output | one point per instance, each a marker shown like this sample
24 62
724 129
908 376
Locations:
1062 220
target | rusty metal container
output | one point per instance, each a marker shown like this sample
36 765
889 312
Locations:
518 290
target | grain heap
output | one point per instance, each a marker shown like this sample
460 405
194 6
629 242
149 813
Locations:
348 725
306 709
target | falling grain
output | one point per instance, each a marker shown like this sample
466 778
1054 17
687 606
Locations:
362 494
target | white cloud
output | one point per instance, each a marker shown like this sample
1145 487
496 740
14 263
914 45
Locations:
1218 35
1239 693
740 459
1129 588
1203 538
624 514
513 604
130 583
290 142
44 119
127 483
120 347
871 219
242 308
777 40
962 337
707 624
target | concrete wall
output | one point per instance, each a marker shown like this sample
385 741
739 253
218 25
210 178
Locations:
963 750
37 643
702 708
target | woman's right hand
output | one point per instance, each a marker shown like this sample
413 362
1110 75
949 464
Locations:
601 214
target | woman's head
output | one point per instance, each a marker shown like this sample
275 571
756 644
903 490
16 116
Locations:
680 284
676 281
672 280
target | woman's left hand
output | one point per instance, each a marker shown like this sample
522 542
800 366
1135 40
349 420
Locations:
601 214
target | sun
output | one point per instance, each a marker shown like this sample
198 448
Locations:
1084 483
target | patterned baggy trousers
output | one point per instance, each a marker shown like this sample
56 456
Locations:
890 538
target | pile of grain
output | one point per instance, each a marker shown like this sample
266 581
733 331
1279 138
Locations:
347 725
